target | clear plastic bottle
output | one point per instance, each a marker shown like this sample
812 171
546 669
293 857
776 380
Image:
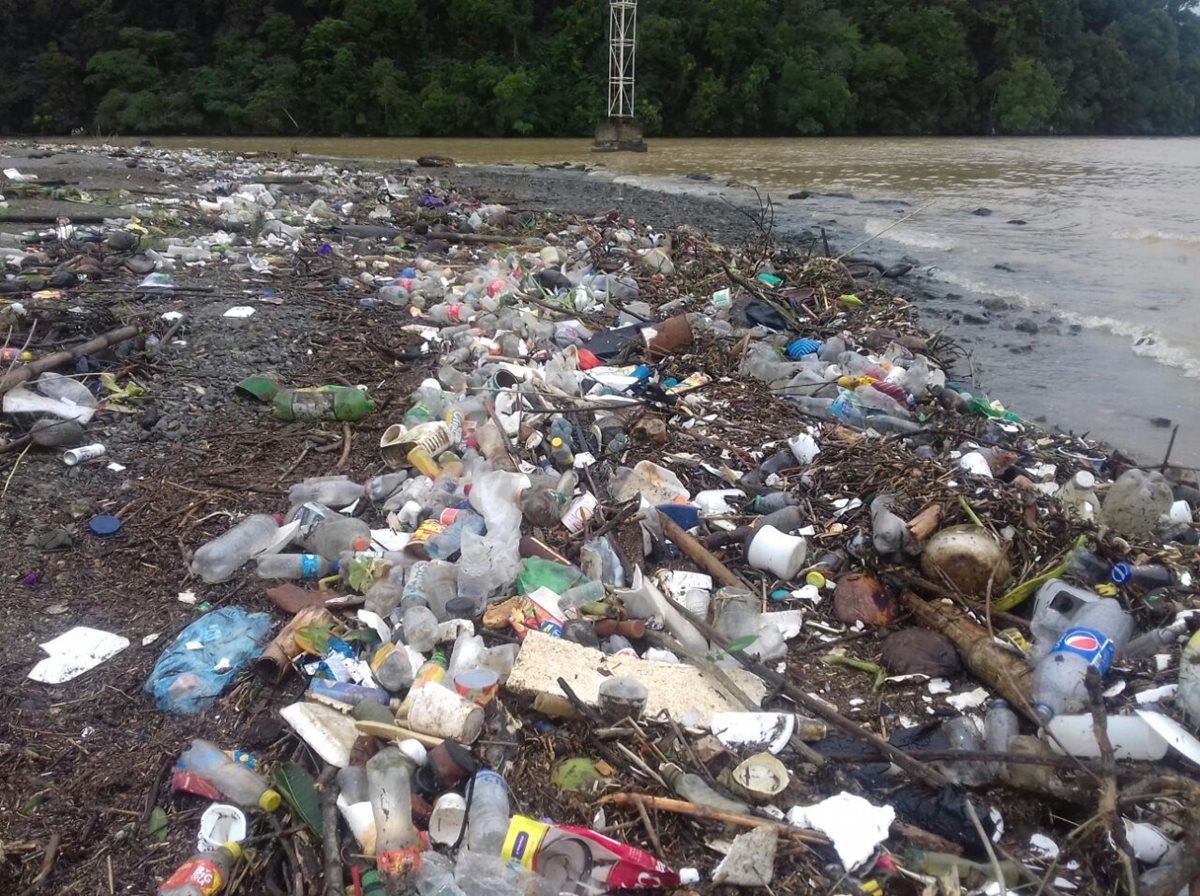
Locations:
204 874
489 816
963 735
389 785
420 627
1000 726
447 543
694 788
435 876
1077 497
239 783
738 613
337 534
392 668
354 802
294 566
561 453
1098 634
218 560
332 491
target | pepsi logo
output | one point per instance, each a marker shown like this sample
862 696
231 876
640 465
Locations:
1084 642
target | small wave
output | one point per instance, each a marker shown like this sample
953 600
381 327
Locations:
909 236
1018 298
1146 235
1144 341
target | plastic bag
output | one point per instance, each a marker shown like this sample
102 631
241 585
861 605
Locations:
205 657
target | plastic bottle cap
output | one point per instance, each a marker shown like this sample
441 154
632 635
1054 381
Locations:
270 800
1084 479
235 849
105 525
556 442
689 876
1122 573
815 579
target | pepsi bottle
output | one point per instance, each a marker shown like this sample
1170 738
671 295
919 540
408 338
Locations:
1098 632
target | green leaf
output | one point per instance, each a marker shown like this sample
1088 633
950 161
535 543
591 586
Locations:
156 824
741 643
299 790
366 635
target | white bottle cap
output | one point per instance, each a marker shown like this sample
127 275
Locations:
689 876
1085 480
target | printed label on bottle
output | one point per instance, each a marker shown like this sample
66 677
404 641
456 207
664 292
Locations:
1094 647
310 566
399 862
200 873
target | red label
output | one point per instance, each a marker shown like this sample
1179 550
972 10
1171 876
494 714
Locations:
201 873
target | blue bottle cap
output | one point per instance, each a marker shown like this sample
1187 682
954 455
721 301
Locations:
105 525
1121 573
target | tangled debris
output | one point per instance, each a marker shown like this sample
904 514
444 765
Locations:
611 414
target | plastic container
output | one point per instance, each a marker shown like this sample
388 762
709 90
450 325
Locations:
204 874
489 814
1130 736
1188 695
737 613
1078 498
322 403
389 786
778 553
1000 726
1054 608
294 566
237 782
439 711
1098 633
220 558
1136 503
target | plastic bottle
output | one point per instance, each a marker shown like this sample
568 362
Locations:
435 876
322 403
447 543
204 874
220 558
618 645
1054 608
427 404
1078 496
1085 566
1136 502
964 735
389 784
489 816
1000 726
331 491
694 788
432 671
238 783
773 501
337 534
1145 575
540 506
420 627
392 668
738 613
294 566
354 802
1099 632
1188 695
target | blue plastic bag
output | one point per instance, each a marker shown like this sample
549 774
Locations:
187 679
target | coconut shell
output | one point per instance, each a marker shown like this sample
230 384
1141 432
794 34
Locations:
919 651
967 556
860 597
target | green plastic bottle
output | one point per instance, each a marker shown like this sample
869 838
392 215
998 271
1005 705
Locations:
322 403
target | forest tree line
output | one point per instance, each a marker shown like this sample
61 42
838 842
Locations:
538 67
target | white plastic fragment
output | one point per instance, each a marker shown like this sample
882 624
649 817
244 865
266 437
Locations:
853 824
750 861
74 652
969 699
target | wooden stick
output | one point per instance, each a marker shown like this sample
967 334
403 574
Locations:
334 884
395 732
36 368
48 860
926 522
1008 675
700 555
683 807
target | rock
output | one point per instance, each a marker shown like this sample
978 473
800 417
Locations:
140 264
976 317
996 303
435 162
860 597
63 279
750 861
658 262
919 651
1161 422
131 163
1003 267
1019 222
699 177
897 270
1026 325
120 240
982 212
803 194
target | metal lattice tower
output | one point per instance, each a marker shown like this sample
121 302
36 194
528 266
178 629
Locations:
622 35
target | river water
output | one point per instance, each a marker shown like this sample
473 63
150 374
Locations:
1106 267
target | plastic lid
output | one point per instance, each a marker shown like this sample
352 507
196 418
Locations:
105 525
1084 479
815 579
1122 573
270 800
233 849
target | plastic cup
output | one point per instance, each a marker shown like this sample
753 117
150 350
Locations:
447 819
441 712
477 685
778 553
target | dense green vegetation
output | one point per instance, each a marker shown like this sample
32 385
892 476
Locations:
538 67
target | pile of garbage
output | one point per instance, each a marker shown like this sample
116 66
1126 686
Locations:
682 566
